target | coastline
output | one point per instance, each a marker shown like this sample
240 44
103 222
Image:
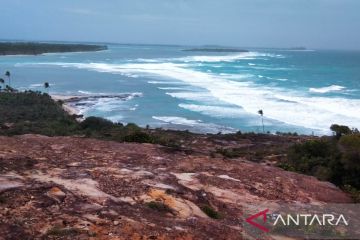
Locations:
69 108
77 104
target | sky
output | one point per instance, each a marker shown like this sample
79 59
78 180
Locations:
319 24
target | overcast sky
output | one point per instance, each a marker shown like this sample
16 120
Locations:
328 24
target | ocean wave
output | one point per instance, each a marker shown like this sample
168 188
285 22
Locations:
271 68
226 58
85 92
171 88
39 85
105 103
194 125
332 88
194 96
215 111
301 110
271 78
166 82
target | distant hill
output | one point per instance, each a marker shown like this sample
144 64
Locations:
32 48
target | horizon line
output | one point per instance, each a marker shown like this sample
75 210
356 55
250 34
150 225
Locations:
173 44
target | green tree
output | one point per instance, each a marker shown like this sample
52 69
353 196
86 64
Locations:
261 113
8 75
340 130
2 81
46 86
350 147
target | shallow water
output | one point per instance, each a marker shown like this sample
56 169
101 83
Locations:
302 91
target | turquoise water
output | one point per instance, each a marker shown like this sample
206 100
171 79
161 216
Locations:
302 91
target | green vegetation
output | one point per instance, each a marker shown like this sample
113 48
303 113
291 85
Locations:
335 159
33 112
211 212
340 130
295 134
37 113
31 48
261 113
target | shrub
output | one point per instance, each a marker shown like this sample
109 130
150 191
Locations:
211 212
140 137
354 193
96 123
34 112
334 160
309 156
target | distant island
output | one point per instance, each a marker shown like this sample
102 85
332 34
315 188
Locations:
215 50
32 48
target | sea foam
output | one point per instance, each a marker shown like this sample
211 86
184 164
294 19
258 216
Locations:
332 88
196 125
290 107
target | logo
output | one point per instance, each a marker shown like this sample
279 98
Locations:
303 221
262 214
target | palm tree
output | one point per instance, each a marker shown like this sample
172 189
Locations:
8 75
2 81
46 85
262 118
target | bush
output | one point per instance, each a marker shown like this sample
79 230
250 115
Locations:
354 193
211 212
140 137
335 160
309 156
33 112
96 124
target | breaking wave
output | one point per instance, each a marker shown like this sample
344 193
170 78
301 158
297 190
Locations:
332 88
290 107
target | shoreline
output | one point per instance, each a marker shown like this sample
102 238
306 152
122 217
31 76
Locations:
76 104
69 108
70 102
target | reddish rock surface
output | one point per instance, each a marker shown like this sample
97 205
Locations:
77 188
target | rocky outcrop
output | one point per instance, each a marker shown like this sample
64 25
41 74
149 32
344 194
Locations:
77 188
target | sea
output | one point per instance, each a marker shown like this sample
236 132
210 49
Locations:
303 91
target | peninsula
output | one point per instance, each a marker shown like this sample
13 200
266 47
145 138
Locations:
36 48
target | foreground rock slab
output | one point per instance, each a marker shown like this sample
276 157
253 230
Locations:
78 188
